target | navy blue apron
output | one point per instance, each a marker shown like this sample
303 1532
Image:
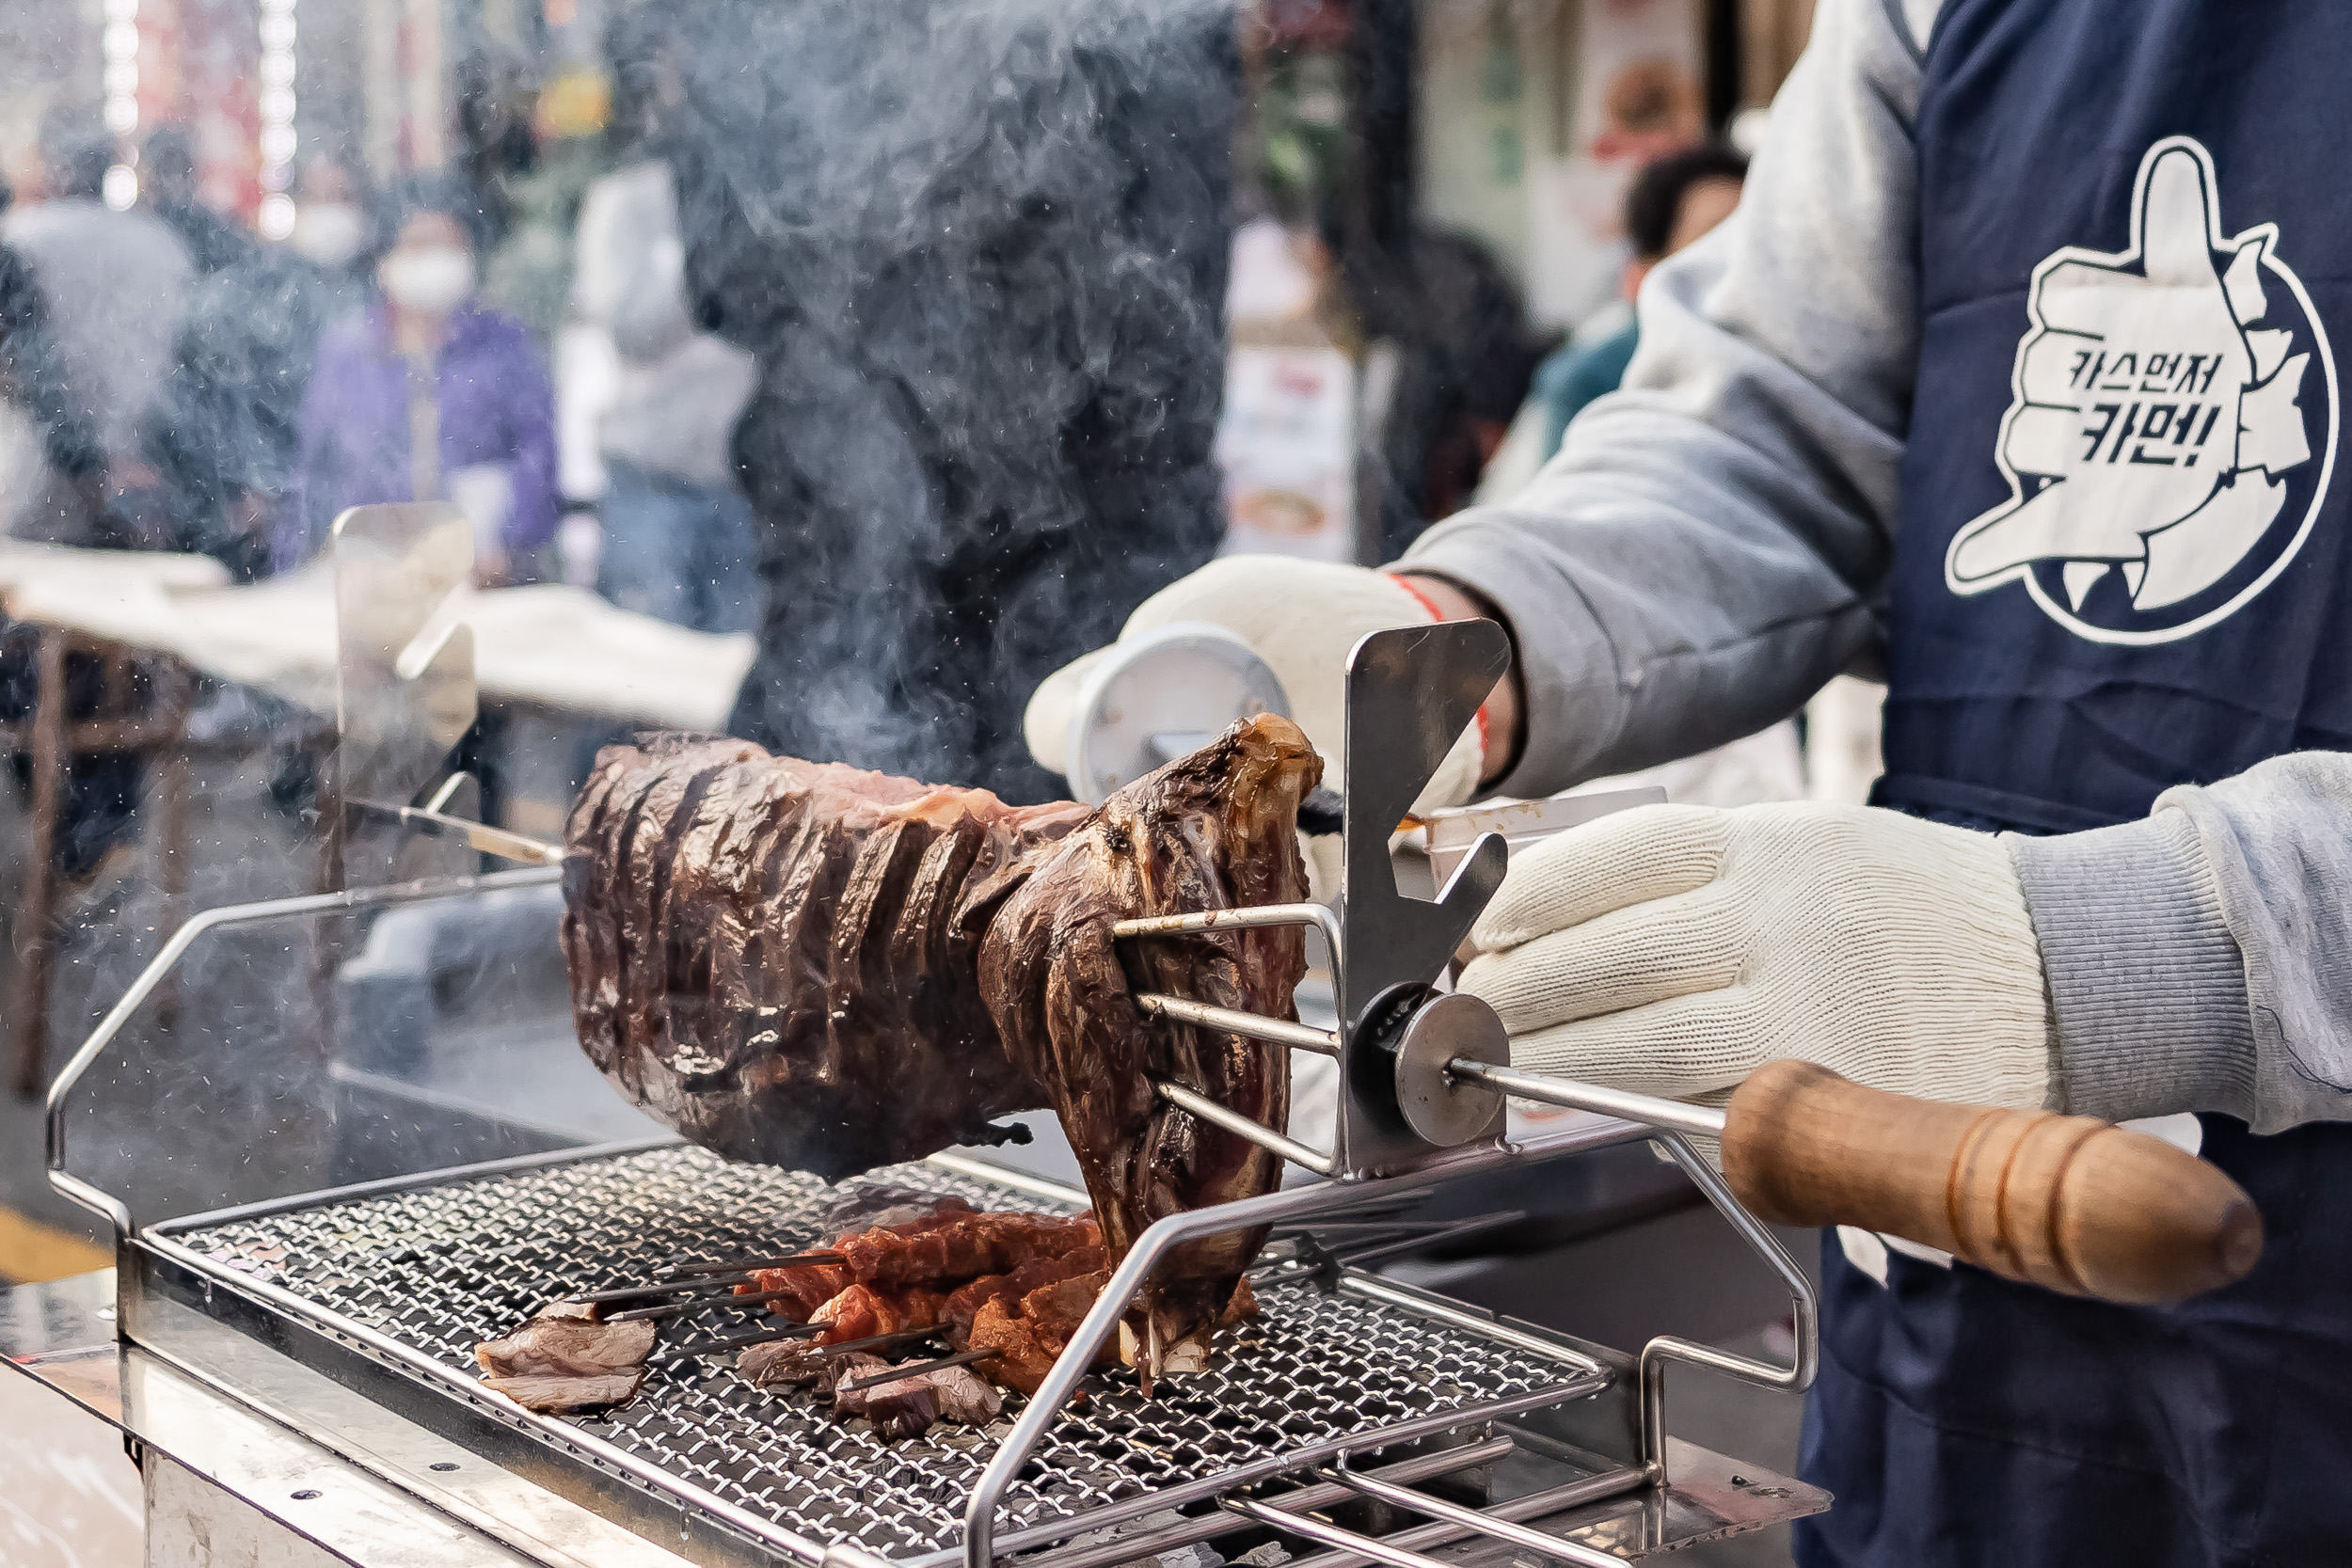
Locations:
2122 566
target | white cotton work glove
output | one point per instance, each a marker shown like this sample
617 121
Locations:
1674 949
1301 617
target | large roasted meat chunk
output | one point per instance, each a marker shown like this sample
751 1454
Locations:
818 967
1215 830
779 958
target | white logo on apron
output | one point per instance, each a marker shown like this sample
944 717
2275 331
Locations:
2157 428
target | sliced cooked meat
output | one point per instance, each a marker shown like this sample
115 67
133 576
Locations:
566 1347
905 1409
780 1361
554 1396
561 1361
964 1397
1215 830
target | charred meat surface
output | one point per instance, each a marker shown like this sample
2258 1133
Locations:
1215 830
766 954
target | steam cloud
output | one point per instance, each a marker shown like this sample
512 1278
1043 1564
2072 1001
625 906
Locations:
979 249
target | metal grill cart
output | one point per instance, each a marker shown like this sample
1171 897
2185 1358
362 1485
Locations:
1353 1420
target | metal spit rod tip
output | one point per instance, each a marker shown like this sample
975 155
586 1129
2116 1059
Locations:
1242 1127
1650 1110
1256 1026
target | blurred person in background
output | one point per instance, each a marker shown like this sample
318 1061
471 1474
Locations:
979 253
231 431
53 432
1673 202
1465 354
116 287
658 398
426 395
167 189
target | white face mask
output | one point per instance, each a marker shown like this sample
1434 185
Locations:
329 233
432 280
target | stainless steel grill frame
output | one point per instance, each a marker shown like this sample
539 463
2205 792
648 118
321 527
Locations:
414 1273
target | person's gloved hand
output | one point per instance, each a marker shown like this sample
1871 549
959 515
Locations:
1673 949
1301 617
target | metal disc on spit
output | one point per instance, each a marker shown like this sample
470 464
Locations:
1153 698
1439 1107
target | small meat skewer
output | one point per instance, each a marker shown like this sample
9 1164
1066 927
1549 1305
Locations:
965 1247
863 1311
810 1286
701 1303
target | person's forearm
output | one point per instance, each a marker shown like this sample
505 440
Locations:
1703 553
2202 960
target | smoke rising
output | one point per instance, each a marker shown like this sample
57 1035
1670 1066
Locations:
978 248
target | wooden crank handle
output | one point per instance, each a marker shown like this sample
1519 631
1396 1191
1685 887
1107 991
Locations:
2069 1202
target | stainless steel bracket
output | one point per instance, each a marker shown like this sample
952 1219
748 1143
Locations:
106 1205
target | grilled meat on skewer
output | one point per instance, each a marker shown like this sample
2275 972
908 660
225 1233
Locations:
863 1311
812 1285
833 970
939 1249
1215 830
765 953
965 1301
963 1248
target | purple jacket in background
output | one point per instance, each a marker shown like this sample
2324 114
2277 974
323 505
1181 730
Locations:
494 407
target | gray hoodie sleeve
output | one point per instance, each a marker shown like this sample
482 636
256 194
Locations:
2202 960
1703 553
1707 548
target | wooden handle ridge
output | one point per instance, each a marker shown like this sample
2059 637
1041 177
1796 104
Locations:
2068 1202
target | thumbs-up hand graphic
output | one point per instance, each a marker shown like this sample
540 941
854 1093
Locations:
2150 414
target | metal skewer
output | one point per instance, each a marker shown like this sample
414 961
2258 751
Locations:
685 1271
903 1336
671 1287
917 1368
733 1341
1256 1026
699 1304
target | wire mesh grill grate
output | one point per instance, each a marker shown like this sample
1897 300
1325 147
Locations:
438 1268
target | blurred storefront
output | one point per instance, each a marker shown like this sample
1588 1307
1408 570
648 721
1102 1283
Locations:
258 86
1430 195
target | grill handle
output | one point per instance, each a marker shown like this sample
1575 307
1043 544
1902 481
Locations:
2071 1203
